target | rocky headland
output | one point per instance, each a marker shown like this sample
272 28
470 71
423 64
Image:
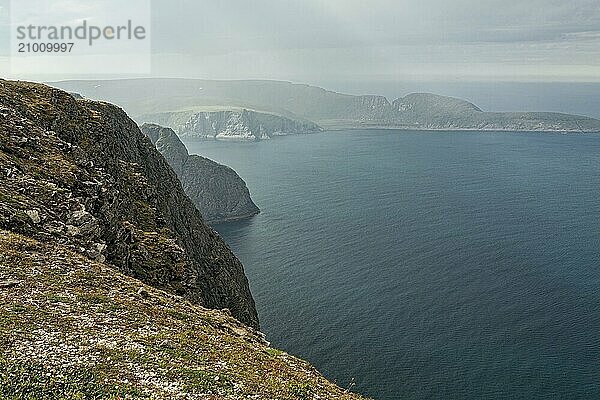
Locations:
112 286
217 190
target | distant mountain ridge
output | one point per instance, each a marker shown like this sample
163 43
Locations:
328 109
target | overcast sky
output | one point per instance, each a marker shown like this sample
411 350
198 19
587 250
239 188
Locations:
386 40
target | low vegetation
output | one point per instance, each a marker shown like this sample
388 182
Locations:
71 328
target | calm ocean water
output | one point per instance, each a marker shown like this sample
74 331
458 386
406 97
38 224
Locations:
428 265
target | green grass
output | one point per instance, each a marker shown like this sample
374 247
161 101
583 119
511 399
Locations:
34 381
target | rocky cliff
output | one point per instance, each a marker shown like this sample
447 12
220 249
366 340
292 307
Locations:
81 174
216 190
106 269
231 124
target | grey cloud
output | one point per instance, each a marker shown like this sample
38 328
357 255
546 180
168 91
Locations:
307 40
278 24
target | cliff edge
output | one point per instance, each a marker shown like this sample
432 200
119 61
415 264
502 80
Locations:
72 328
111 284
80 173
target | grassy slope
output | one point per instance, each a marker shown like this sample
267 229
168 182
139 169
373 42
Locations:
72 328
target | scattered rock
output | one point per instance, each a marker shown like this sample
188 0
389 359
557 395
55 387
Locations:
79 218
96 252
19 139
8 284
34 215
73 230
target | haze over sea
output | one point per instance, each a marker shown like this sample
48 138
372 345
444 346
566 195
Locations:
423 265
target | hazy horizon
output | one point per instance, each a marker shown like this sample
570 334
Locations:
572 98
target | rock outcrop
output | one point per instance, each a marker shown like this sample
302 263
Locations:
81 174
231 125
216 190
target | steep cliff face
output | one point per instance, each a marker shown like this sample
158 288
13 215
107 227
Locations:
432 103
216 190
81 174
371 109
168 144
232 125
430 111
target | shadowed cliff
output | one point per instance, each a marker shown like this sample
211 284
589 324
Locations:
216 190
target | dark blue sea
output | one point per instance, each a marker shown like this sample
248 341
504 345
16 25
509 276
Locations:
416 265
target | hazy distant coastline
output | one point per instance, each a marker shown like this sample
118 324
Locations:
299 103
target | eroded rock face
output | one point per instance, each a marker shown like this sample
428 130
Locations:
232 125
216 190
82 174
